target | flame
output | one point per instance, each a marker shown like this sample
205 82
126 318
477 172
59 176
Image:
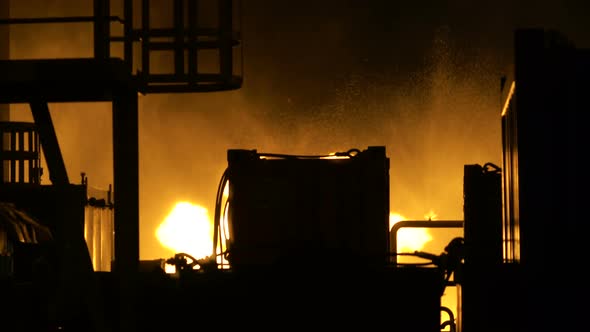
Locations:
187 229
430 215
409 239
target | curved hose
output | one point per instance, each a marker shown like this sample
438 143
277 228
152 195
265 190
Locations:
217 217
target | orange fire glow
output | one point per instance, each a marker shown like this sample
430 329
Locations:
187 229
431 215
409 239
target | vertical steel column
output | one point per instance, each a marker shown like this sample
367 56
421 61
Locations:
21 160
178 37
126 186
12 143
193 60
4 55
128 33
225 39
145 39
102 29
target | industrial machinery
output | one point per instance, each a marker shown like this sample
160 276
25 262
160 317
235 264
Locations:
544 186
307 241
204 42
322 210
306 238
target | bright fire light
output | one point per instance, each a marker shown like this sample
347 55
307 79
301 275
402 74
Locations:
409 239
431 215
187 229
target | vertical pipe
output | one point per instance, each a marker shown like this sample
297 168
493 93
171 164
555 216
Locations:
225 39
97 224
31 163
3 146
101 29
128 33
38 170
193 16
145 39
21 160
4 55
12 161
126 185
178 37
106 238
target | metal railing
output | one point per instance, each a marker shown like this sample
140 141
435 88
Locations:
205 57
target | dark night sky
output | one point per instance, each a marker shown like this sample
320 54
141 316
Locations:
420 77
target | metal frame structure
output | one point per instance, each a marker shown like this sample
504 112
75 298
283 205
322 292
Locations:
112 79
186 39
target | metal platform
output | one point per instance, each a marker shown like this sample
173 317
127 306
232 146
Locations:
63 80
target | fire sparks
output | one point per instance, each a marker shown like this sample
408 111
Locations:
187 229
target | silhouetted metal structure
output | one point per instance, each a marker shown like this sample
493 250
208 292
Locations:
323 210
513 229
205 47
538 285
545 184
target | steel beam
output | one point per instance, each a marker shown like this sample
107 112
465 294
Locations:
55 163
126 188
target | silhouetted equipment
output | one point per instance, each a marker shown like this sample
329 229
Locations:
545 184
537 287
21 236
204 40
54 280
308 235
480 277
307 246
325 211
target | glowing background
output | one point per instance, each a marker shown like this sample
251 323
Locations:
421 80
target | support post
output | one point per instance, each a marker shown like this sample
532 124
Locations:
126 188
225 39
57 168
4 55
179 37
102 29
128 33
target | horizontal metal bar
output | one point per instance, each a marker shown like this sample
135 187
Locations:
165 46
427 224
19 155
69 19
123 39
169 32
16 126
192 88
174 78
418 224
136 34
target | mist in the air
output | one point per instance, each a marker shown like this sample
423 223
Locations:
318 78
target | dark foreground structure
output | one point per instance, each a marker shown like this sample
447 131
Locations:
307 237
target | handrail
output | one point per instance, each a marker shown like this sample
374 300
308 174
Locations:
418 224
184 39
67 19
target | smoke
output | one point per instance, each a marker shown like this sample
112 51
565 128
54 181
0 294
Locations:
308 89
431 124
